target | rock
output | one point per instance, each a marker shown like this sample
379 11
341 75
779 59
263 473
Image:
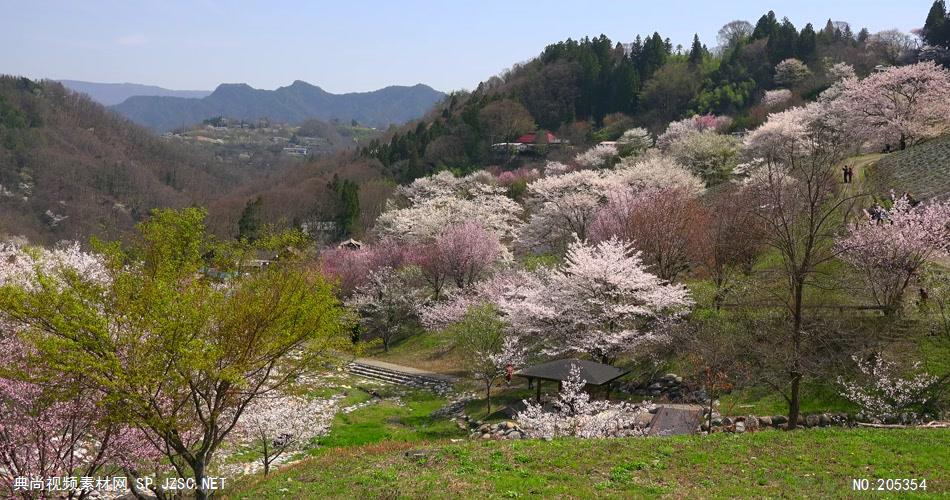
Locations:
484 428
727 421
779 420
678 379
765 421
716 421
655 386
824 420
752 423
740 427
812 421
486 436
890 419
509 425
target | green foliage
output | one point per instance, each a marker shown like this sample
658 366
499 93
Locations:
249 225
817 463
348 205
162 343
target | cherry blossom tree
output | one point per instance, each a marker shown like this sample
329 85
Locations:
599 156
562 206
882 389
351 267
387 303
707 154
656 171
601 302
900 105
662 224
802 210
698 123
776 98
889 247
435 203
175 354
53 425
575 415
278 424
486 346
730 239
791 72
462 253
634 141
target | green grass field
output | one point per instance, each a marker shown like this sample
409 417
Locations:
818 463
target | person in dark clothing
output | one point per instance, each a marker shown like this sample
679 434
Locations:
844 174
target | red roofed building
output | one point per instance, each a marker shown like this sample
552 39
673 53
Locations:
532 137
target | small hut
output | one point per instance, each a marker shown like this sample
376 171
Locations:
593 373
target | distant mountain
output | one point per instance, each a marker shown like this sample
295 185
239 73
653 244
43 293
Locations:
110 94
297 102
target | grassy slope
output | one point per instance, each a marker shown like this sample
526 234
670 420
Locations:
815 463
923 170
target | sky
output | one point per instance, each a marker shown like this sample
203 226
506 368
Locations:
349 46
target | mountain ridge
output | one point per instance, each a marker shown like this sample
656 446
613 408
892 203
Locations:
293 103
110 94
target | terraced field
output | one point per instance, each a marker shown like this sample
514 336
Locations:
922 170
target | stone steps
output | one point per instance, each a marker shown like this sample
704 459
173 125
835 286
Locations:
394 376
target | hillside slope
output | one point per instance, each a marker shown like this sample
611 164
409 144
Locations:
70 169
294 103
816 463
109 94
922 170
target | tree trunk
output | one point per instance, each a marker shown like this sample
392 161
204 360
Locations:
794 402
199 468
488 397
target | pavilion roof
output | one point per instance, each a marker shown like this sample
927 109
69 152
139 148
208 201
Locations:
592 372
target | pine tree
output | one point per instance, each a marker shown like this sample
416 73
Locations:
249 225
696 52
807 42
765 27
937 27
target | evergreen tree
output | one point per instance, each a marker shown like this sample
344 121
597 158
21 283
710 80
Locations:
936 29
696 52
807 42
765 27
783 42
348 204
249 225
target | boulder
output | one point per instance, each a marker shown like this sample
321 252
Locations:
740 427
824 420
765 421
811 421
779 420
752 423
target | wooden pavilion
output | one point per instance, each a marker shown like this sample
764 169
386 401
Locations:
595 374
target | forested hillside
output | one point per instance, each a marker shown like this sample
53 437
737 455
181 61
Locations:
71 169
593 89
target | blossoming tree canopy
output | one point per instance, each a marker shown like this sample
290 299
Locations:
890 246
899 106
602 301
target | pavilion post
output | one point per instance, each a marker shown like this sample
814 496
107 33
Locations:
538 396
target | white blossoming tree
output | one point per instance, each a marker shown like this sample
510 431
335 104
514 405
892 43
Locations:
574 414
601 302
881 388
276 425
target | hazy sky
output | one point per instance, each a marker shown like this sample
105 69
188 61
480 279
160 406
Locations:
361 45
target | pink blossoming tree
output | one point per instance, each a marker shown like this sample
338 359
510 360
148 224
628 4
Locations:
889 248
